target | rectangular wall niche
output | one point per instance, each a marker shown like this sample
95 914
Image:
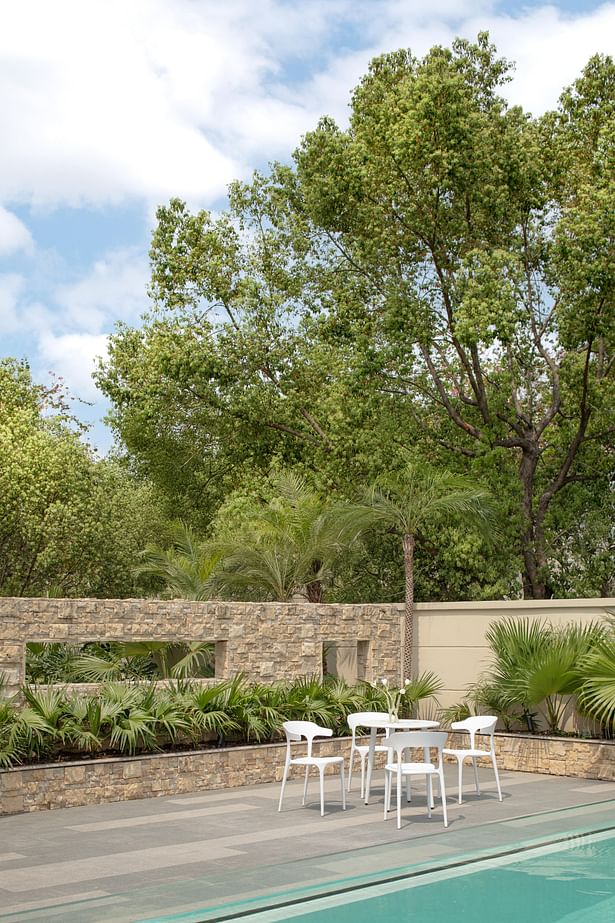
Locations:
340 659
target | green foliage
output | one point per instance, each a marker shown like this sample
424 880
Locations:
535 665
597 671
406 501
135 718
291 546
69 525
434 282
185 569
117 661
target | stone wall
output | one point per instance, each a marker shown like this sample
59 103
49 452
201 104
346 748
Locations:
45 787
265 641
269 641
554 756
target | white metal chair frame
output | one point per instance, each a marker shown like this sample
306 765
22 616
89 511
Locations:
480 724
295 731
425 740
355 721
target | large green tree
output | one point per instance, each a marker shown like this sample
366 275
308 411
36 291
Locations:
70 525
435 281
484 240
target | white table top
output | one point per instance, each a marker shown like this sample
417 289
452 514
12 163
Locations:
405 724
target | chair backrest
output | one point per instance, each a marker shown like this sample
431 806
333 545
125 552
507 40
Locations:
405 740
295 730
478 724
357 719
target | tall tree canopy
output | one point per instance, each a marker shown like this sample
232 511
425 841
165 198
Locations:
69 525
437 280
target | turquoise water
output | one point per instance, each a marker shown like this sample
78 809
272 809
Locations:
561 883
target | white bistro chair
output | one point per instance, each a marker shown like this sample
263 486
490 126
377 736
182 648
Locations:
355 721
296 730
480 724
397 744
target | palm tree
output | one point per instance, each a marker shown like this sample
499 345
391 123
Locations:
408 501
289 547
186 568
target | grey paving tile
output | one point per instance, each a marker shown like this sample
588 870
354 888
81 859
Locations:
171 817
79 870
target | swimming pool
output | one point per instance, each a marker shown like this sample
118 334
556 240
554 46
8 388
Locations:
564 882
547 867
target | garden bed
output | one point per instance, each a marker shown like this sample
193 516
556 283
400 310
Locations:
94 781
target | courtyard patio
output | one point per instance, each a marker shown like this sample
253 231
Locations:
201 856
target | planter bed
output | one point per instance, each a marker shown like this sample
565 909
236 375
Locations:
46 786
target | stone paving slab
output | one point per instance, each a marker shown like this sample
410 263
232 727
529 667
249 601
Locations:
132 861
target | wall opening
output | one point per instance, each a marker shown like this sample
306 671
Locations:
340 659
49 662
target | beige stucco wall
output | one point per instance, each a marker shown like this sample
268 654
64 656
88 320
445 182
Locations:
450 637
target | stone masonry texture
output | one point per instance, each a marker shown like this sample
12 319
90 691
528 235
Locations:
45 787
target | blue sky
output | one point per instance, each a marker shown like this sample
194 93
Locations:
108 108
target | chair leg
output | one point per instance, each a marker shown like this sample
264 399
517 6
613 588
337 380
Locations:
343 787
399 800
322 791
350 771
362 755
387 793
497 777
408 789
460 764
443 796
476 775
305 783
284 777
429 795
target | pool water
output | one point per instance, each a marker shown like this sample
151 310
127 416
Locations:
565 882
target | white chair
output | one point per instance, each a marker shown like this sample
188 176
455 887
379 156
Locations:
296 730
480 724
424 740
355 721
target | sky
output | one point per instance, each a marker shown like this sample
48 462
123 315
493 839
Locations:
108 108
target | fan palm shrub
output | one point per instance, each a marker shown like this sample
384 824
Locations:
203 707
11 731
132 726
50 662
537 665
126 660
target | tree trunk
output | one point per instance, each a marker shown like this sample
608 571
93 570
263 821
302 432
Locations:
533 586
409 543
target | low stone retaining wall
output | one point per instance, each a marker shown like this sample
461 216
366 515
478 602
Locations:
63 785
554 756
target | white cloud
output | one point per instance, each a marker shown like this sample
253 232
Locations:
66 333
14 235
114 288
11 287
110 101
73 356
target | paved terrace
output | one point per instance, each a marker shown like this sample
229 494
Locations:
144 860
